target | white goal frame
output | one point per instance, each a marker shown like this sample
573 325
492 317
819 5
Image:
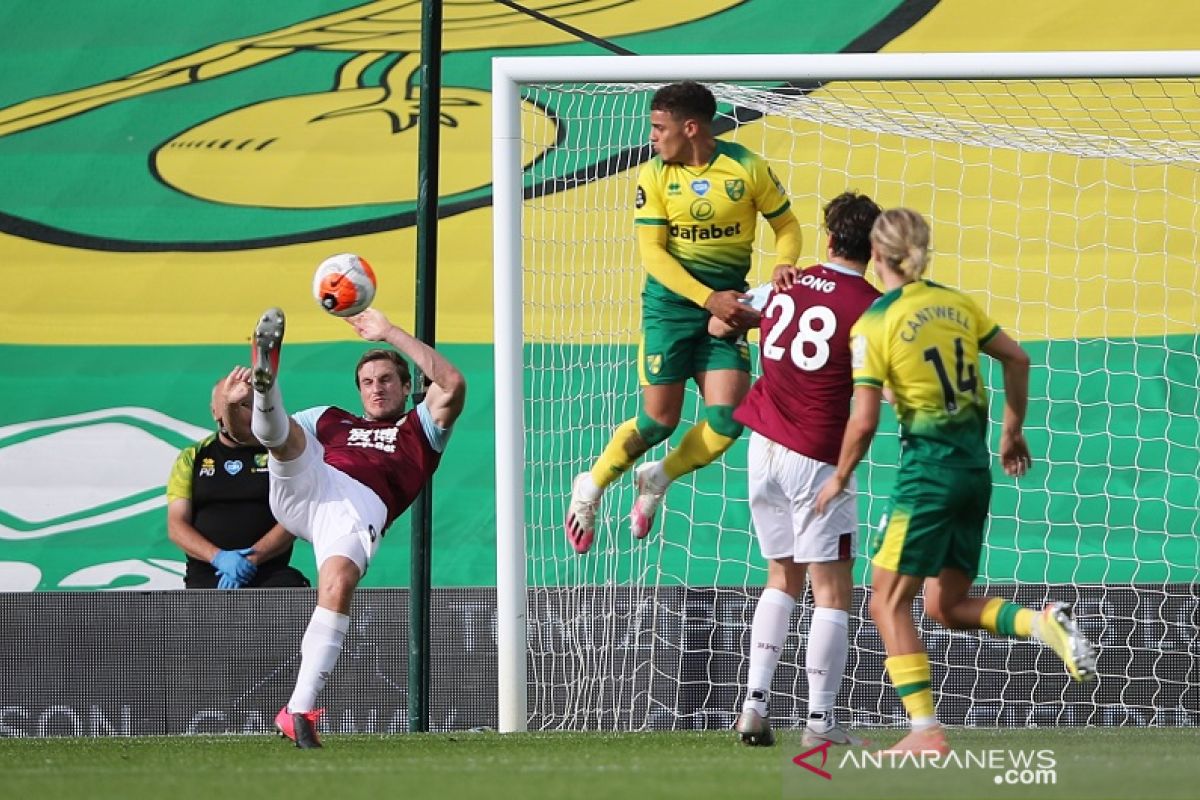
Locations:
508 74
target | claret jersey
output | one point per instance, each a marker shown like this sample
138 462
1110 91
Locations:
802 399
393 458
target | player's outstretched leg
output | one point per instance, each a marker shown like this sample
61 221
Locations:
580 524
268 339
651 484
300 728
754 729
1056 627
268 421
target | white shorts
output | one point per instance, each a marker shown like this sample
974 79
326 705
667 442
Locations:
783 486
327 507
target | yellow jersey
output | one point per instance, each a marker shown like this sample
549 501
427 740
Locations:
710 212
923 340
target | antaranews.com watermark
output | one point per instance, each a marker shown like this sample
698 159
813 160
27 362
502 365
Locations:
998 766
1014 767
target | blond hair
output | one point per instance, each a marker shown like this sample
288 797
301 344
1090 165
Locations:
901 237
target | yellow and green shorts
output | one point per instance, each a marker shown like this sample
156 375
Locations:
936 520
676 345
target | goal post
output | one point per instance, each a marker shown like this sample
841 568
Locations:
1063 190
507 193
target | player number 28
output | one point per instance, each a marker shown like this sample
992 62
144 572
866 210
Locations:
807 338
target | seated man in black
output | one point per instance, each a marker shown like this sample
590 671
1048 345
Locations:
218 512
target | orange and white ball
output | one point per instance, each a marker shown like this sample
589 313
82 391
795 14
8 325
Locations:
344 284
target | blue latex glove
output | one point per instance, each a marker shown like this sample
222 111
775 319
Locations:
234 565
226 582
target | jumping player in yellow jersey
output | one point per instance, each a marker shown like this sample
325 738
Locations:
697 207
923 340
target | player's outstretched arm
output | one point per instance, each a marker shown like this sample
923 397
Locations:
448 391
1014 450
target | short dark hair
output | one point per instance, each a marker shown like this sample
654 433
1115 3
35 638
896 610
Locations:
848 218
381 354
685 100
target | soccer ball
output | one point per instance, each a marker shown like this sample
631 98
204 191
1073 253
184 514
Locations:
344 284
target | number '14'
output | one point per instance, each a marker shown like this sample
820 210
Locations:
964 374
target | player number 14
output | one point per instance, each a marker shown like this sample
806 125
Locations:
964 374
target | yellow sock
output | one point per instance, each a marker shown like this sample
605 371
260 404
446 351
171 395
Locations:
1007 619
700 446
910 675
619 455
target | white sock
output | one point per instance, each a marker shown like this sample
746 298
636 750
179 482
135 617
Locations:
268 421
772 618
587 488
658 475
825 661
1036 629
319 651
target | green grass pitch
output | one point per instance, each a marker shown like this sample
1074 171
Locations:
1090 763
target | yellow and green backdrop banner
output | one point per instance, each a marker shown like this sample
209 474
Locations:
168 170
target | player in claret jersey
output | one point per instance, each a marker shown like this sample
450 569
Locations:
797 413
339 480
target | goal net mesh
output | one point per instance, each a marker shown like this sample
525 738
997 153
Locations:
1070 211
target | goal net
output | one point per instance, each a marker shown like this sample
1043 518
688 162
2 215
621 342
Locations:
1068 207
